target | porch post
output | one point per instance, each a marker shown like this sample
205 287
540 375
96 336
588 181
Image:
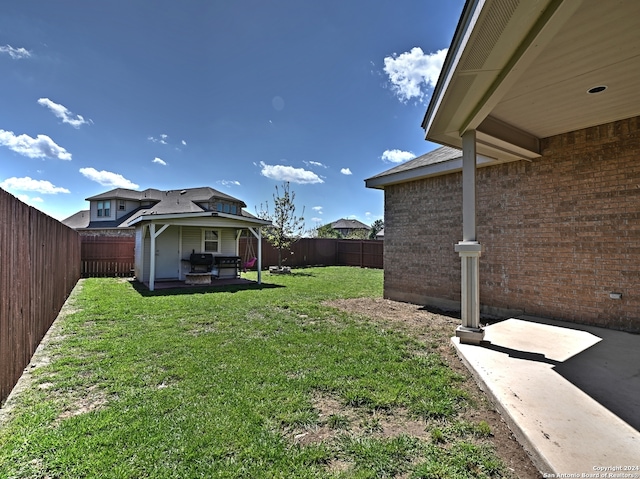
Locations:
258 236
469 248
152 257
259 255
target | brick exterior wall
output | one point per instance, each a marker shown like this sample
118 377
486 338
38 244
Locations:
559 233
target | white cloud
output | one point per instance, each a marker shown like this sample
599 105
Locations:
184 143
229 183
315 163
289 173
107 178
15 53
397 156
65 115
40 147
316 220
346 171
159 161
162 140
318 209
28 184
28 200
412 73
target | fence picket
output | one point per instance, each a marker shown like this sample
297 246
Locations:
39 266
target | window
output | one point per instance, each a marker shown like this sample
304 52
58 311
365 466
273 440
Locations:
210 241
227 208
122 205
104 208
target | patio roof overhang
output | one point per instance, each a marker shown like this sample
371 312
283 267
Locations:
203 219
427 171
517 72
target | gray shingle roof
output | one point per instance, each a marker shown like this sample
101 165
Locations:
78 220
439 155
163 202
200 194
348 224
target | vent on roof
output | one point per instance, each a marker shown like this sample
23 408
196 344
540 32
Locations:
183 192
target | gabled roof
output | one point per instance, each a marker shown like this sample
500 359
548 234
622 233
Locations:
78 220
199 195
517 72
127 194
172 202
441 161
410 169
343 224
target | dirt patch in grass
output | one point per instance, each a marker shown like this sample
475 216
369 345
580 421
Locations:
92 400
434 330
336 419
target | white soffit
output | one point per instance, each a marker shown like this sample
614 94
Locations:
523 72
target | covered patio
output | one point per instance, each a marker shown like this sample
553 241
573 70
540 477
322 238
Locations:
551 85
519 73
166 244
214 284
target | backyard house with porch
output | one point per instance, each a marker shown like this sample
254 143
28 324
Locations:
533 203
185 235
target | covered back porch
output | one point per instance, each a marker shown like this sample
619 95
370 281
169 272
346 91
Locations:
167 244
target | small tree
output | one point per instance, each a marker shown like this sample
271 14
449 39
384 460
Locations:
358 235
327 231
376 227
287 227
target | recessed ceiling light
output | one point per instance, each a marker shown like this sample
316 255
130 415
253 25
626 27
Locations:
597 89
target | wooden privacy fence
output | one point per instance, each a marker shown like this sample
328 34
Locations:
111 256
363 253
114 255
320 251
39 266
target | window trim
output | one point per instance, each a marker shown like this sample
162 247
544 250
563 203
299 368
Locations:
203 242
103 209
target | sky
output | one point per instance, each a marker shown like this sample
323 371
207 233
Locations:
238 95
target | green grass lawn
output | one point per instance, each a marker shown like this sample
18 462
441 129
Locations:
253 383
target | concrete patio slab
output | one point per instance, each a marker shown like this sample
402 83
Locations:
570 393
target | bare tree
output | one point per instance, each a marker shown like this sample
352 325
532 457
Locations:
287 227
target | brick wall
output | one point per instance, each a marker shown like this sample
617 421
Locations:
559 233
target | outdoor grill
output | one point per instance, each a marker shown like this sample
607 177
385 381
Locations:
201 262
228 263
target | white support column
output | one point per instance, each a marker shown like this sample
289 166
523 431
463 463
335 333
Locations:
259 255
469 248
258 236
152 257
